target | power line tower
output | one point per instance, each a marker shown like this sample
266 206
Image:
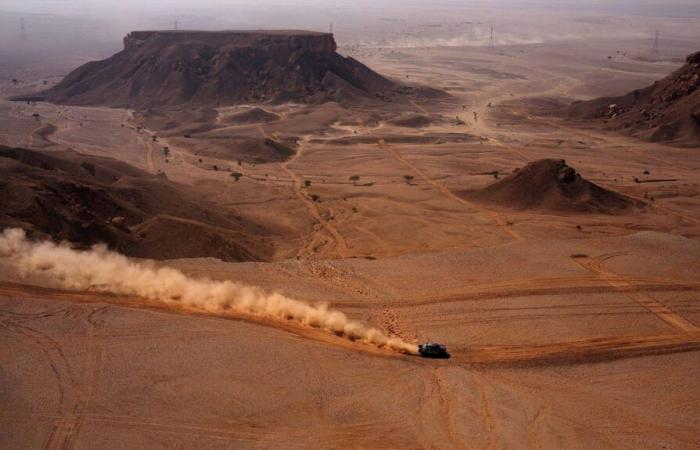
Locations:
655 49
175 25
491 39
331 28
22 30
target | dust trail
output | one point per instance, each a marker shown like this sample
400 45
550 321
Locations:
111 272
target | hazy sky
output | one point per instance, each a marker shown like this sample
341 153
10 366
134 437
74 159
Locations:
127 14
90 29
97 6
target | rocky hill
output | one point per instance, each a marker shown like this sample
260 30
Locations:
667 111
551 185
87 200
169 68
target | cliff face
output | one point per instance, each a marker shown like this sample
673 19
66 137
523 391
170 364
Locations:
288 41
168 68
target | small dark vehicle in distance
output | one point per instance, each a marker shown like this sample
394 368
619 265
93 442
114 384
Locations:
433 350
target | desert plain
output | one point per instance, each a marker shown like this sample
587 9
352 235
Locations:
567 328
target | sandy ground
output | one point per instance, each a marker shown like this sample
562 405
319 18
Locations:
567 331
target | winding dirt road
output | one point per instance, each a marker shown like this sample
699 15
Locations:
499 218
341 246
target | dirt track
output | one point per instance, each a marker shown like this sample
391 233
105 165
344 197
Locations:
341 247
574 352
100 347
498 218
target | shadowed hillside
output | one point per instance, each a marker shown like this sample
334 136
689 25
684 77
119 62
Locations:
549 184
666 111
89 200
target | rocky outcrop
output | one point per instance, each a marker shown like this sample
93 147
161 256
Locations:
173 68
551 185
667 111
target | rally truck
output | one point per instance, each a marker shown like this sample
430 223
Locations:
433 350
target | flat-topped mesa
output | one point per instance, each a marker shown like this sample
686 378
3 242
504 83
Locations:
217 68
286 39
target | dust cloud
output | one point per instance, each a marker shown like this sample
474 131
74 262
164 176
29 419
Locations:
107 271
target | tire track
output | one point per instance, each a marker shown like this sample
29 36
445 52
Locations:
446 400
97 361
595 265
15 111
557 353
227 431
74 399
655 206
485 410
541 286
149 158
419 107
69 392
15 291
495 216
150 164
577 352
341 246
435 402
